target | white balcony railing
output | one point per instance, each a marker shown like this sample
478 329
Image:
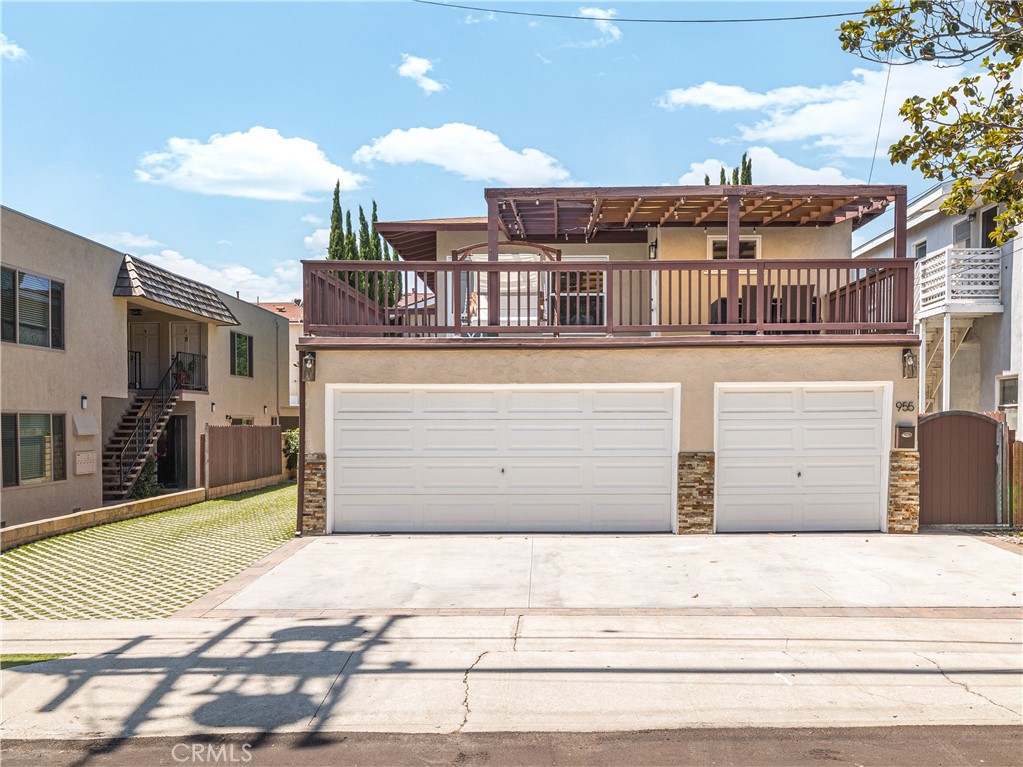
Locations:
959 279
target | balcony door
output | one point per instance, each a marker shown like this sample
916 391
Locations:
185 339
144 338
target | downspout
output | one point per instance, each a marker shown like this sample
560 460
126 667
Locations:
301 449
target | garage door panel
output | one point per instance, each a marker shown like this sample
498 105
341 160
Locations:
472 476
366 404
475 402
758 437
632 438
556 403
742 477
525 476
547 437
458 437
755 404
632 514
629 474
633 403
850 512
837 477
758 514
829 402
545 513
373 475
453 513
842 437
363 514
361 437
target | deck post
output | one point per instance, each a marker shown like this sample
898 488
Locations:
922 368
900 251
734 203
946 363
493 278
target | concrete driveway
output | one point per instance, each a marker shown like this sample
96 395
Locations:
658 572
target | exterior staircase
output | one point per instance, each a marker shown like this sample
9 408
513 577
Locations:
932 334
136 436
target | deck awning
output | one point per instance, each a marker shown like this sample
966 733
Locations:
610 214
556 215
139 279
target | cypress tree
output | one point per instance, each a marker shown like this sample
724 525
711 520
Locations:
706 180
350 251
368 281
335 245
735 176
724 178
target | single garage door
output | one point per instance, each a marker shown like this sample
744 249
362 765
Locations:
502 458
801 457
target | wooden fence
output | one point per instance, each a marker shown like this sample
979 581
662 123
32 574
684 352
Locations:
241 454
1016 483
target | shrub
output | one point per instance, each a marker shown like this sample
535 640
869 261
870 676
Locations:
146 484
290 448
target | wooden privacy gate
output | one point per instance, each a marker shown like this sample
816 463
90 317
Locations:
241 454
960 469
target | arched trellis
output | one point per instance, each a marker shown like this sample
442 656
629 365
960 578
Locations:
549 253
469 302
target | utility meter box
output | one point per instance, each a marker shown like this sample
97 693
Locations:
905 437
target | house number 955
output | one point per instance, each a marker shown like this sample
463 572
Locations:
904 405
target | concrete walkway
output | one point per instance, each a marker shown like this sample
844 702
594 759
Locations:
547 673
744 572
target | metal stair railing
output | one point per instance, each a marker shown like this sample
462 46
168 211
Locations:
136 446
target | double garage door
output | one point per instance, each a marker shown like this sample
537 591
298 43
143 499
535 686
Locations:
503 458
590 458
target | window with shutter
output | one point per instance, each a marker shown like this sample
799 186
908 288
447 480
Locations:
9 447
8 317
34 442
961 234
32 310
241 355
34 448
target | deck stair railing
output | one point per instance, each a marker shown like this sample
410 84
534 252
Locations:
140 429
964 277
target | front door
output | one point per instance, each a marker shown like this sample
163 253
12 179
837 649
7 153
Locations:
144 338
185 339
172 454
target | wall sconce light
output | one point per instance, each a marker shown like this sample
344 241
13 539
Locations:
213 407
653 250
264 409
136 312
85 402
309 366
908 363
972 216
227 417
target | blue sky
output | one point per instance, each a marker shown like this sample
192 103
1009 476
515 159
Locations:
207 137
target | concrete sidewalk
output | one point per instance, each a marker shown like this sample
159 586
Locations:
515 673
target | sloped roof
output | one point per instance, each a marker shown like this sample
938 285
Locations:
139 279
291 310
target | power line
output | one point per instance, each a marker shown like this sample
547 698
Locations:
617 20
880 119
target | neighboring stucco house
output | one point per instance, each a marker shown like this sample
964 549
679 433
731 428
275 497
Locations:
969 305
688 359
292 311
91 337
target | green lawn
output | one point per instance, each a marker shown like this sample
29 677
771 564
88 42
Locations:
10 661
149 567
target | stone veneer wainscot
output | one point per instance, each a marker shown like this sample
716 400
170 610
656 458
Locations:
695 493
904 492
314 512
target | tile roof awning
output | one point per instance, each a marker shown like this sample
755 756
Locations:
139 279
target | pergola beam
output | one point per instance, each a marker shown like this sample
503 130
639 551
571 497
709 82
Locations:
710 209
672 209
598 203
632 212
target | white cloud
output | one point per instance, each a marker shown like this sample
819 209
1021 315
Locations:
768 168
475 154
415 69
126 240
282 284
10 50
470 19
260 164
609 32
224 242
316 243
544 59
309 218
842 118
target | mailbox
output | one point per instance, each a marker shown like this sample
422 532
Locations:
905 436
85 462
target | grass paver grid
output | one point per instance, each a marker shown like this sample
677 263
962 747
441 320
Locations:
148 567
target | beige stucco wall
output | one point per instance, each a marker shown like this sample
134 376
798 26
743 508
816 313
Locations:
697 369
94 364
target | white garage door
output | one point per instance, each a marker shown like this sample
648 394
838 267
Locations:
502 458
801 457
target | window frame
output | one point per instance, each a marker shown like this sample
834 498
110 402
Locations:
53 332
756 239
234 355
969 234
985 242
57 463
916 247
999 381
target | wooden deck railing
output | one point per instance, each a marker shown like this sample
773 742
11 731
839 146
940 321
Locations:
617 298
958 277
